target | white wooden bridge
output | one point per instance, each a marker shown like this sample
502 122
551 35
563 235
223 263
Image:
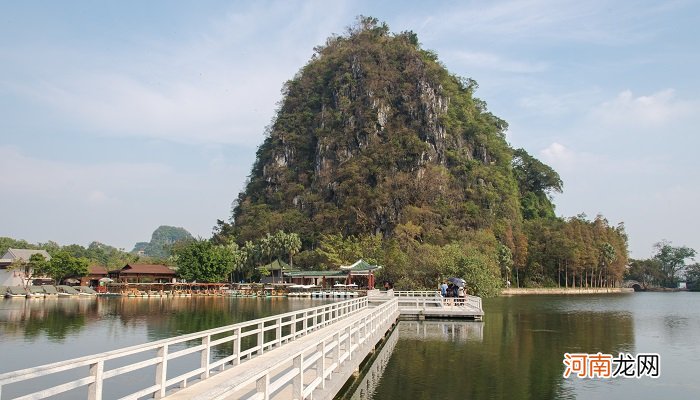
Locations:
306 354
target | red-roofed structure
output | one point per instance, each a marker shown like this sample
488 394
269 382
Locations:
95 273
143 273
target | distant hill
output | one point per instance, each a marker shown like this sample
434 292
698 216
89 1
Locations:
162 241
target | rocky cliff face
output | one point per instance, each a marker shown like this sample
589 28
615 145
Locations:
374 135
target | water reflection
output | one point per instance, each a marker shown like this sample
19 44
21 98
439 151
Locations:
39 331
456 331
371 377
53 318
162 317
516 353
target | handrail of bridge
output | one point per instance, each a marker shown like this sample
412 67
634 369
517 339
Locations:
423 298
417 293
286 327
422 302
325 356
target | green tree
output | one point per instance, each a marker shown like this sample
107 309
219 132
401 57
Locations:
692 276
202 261
63 265
672 260
536 181
607 256
505 261
647 272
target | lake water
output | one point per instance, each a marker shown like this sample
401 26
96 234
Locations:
518 351
515 353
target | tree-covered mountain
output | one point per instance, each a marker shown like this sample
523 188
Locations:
162 241
374 137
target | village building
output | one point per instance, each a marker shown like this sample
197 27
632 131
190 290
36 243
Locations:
276 270
318 278
143 273
360 273
19 276
95 274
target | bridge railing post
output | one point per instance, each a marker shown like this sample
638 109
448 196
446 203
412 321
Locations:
262 386
298 381
261 338
278 332
336 356
204 357
237 346
95 388
162 371
321 363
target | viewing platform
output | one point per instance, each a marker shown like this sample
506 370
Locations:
310 353
421 305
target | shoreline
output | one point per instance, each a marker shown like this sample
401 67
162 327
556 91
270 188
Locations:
545 291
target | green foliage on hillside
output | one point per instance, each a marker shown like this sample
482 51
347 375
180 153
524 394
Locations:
374 135
378 152
162 241
96 253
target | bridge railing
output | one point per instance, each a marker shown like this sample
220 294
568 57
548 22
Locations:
324 357
244 340
425 298
416 293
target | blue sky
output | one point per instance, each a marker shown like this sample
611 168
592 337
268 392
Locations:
118 117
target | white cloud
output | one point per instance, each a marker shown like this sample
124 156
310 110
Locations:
97 197
557 154
656 109
220 86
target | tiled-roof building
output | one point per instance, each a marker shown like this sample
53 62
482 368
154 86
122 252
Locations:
143 273
17 276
